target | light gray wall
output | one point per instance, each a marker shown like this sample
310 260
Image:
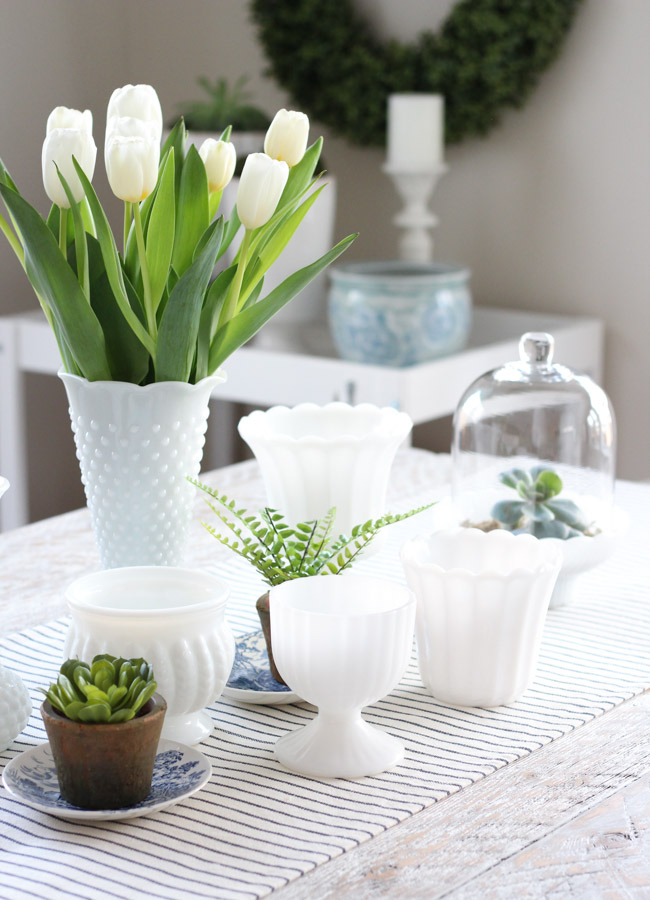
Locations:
550 211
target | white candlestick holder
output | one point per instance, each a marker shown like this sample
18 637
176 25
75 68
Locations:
415 189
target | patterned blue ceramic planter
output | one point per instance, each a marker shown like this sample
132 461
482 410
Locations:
399 313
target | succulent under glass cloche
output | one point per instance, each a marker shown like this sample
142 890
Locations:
534 448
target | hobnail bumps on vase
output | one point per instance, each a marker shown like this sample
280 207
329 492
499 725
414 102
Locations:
15 706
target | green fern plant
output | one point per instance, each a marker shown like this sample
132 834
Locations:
110 689
225 105
281 552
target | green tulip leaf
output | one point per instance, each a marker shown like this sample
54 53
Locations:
79 232
112 262
247 323
179 325
55 281
214 301
160 232
192 212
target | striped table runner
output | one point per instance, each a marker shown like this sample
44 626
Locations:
255 827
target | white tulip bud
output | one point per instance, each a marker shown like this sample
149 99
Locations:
139 101
287 136
220 159
60 145
127 126
132 167
260 188
62 117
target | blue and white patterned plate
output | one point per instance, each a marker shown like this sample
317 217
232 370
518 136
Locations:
179 772
250 678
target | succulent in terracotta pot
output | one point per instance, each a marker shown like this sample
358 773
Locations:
281 552
103 721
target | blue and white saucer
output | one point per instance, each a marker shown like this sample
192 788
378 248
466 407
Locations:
250 678
179 772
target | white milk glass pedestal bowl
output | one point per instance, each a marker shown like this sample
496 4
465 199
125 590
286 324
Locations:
341 642
315 457
172 617
482 599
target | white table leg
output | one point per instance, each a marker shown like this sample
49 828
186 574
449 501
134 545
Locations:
13 455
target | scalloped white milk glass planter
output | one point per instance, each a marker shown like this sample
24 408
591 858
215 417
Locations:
341 642
314 457
172 617
482 599
136 446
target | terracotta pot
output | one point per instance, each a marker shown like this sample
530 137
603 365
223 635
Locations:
101 766
262 607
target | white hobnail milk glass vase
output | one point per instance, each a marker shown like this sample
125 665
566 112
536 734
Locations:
482 599
15 703
341 642
172 617
314 457
136 446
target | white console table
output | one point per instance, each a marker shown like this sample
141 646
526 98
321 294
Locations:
291 365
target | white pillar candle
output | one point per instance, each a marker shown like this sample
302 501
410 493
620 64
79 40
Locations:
415 132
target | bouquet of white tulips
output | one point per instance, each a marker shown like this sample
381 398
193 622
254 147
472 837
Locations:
151 309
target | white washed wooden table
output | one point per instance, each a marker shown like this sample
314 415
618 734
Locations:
570 819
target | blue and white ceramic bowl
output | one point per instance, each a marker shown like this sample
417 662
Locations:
399 313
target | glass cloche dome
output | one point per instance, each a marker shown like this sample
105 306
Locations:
534 448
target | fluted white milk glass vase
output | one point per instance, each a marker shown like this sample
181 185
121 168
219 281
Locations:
314 457
482 599
136 446
341 642
172 617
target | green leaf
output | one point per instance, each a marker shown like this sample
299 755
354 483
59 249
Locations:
193 210
214 301
301 175
179 326
247 323
160 233
54 280
549 482
79 233
95 712
508 511
112 262
232 227
570 513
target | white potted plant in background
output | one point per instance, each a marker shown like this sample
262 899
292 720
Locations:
143 332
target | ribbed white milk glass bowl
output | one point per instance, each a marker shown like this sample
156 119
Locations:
482 599
314 457
341 642
172 617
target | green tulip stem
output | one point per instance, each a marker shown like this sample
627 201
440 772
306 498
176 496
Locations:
230 306
63 231
144 268
14 243
127 223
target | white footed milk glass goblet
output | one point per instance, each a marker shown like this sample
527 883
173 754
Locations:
341 642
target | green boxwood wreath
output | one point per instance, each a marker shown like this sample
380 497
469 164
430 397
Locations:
487 56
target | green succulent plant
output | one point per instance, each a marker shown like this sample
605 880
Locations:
540 511
281 552
224 106
110 689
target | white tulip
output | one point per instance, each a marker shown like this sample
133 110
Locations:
286 138
127 126
260 188
132 167
137 101
220 159
60 145
62 117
